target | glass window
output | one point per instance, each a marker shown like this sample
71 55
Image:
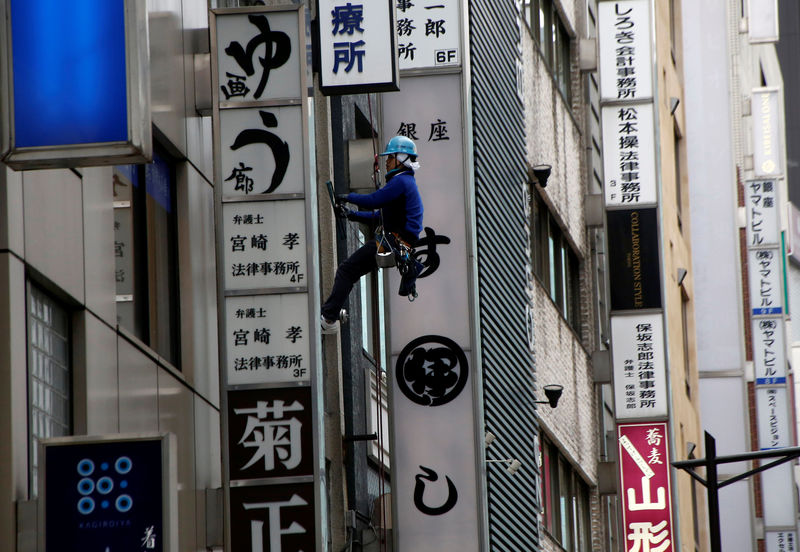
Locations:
546 30
146 249
49 374
564 61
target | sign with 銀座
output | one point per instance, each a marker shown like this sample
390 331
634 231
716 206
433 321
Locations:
428 33
644 465
633 260
767 132
75 85
356 46
625 50
640 380
761 203
764 272
629 158
109 493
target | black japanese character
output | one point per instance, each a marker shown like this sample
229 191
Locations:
277 48
280 149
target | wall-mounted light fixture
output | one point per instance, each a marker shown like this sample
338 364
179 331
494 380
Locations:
553 393
540 173
512 464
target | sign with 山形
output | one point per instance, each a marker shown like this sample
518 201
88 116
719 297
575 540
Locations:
764 272
767 132
264 244
428 33
633 260
629 157
268 338
644 465
762 19
640 379
769 351
108 493
76 85
761 203
357 47
625 50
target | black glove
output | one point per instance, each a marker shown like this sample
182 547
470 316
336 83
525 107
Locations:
342 211
341 198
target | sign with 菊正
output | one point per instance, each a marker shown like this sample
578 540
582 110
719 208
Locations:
357 47
764 270
105 493
633 260
268 338
78 84
428 33
625 50
644 465
264 244
767 132
629 157
640 381
761 203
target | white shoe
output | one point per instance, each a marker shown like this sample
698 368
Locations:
328 328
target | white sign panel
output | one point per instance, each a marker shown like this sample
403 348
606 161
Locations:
781 541
766 132
434 451
268 338
258 57
763 20
428 33
766 292
778 489
640 383
356 46
772 413
629 156
264 244
263 150
761 202
625 50
769 351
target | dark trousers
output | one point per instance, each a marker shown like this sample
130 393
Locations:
349 272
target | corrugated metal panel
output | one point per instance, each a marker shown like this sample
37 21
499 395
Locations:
500 175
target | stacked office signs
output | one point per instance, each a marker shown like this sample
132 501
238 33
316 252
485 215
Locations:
625 32
269 341
765 273
435 380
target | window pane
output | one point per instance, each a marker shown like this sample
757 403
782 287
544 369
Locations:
563 69
546 30
565 505
49 374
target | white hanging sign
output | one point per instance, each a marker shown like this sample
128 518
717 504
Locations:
625 47
640 382
767 152
763 222
772 414
766 292
629 156
428 33
769 351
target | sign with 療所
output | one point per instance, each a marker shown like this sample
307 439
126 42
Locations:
357 47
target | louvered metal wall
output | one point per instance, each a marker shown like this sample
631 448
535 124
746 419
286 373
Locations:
500 176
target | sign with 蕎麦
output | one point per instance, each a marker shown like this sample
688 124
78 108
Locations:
764 269
629 156
763 222
625 50
767 132
264 244
357 47
428 33
76 84
268 338
644 465
640 380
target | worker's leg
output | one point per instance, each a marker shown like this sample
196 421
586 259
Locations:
359 263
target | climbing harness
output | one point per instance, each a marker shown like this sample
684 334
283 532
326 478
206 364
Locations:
395 251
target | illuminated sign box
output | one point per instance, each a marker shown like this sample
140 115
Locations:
108 493
75 84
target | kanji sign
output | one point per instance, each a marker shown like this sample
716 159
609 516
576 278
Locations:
629 158
625 50
645 487
428 33
766 292
769 351
761 203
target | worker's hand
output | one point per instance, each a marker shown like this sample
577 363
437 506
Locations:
342 211
341 198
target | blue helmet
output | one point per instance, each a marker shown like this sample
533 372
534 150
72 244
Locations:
400 144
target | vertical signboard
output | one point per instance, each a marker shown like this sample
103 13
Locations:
625 48
767 134
763 221
634 268
269 341
645 487
357 47
428 33
629 155
76 86
435 453
762 18
781 541
109 493
766 292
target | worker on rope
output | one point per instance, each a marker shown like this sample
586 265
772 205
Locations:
397 207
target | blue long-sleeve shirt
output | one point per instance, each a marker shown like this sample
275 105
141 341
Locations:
400 202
